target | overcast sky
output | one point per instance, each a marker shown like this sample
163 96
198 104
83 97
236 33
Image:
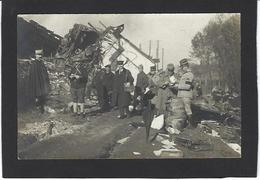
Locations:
175 31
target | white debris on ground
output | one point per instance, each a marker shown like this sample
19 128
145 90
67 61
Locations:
122 141
137 153
47 129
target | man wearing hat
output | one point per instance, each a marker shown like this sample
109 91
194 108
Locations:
108 80
121 97
185 88
39 83
165 88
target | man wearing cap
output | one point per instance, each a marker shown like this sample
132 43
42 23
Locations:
121 97
108 81
185 88
165 88
78 79
39 83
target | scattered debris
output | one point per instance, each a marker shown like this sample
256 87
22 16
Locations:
169 153
47 129
136 153
49 110
122 141
235 147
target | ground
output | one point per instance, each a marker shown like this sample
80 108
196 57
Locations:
98 136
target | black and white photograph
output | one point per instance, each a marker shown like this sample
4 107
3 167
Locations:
129 86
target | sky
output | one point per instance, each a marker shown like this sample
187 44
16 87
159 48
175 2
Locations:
174 31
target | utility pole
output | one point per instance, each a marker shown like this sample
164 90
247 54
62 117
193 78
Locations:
157 53
150 47
162 56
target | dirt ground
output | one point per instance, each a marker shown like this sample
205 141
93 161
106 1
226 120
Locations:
97 136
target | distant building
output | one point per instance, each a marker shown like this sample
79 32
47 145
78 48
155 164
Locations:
31 36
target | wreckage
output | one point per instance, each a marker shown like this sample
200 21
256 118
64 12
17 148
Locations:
106 45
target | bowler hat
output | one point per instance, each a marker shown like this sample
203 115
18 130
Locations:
120 62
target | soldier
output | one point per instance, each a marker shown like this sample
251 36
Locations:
39 83
185 89
108 81
165 84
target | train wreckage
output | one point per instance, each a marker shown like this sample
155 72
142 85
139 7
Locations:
91 45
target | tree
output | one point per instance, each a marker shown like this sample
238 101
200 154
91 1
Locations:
218 47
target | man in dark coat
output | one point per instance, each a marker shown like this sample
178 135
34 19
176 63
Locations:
122 98
78 77
98 84
39 83
142 82
108 81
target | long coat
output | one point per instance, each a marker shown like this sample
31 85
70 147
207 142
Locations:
142 82
39 83
163 94
121 97
97 82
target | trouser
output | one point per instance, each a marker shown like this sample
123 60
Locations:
124 111
187 105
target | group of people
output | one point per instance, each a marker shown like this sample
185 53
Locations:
117 91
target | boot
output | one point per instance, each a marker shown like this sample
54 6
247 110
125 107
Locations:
191 124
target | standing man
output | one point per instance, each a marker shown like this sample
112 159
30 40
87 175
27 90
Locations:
97 82
78 79
108 81
165 88
142 83
185 89
39 83
122 97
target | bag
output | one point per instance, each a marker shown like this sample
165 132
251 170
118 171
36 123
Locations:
127 86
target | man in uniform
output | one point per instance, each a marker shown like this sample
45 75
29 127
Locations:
165 88
185 89
108 81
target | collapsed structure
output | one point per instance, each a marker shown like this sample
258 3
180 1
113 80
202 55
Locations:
101 46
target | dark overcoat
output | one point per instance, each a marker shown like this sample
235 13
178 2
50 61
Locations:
120 96
39 83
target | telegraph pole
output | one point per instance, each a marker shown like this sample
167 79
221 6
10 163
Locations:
157 53
150 47
162 56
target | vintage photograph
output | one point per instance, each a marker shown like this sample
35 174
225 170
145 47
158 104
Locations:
129 86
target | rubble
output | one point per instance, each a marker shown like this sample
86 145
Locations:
137 153
122 141
47 129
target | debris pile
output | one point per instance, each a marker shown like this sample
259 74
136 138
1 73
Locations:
47 129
